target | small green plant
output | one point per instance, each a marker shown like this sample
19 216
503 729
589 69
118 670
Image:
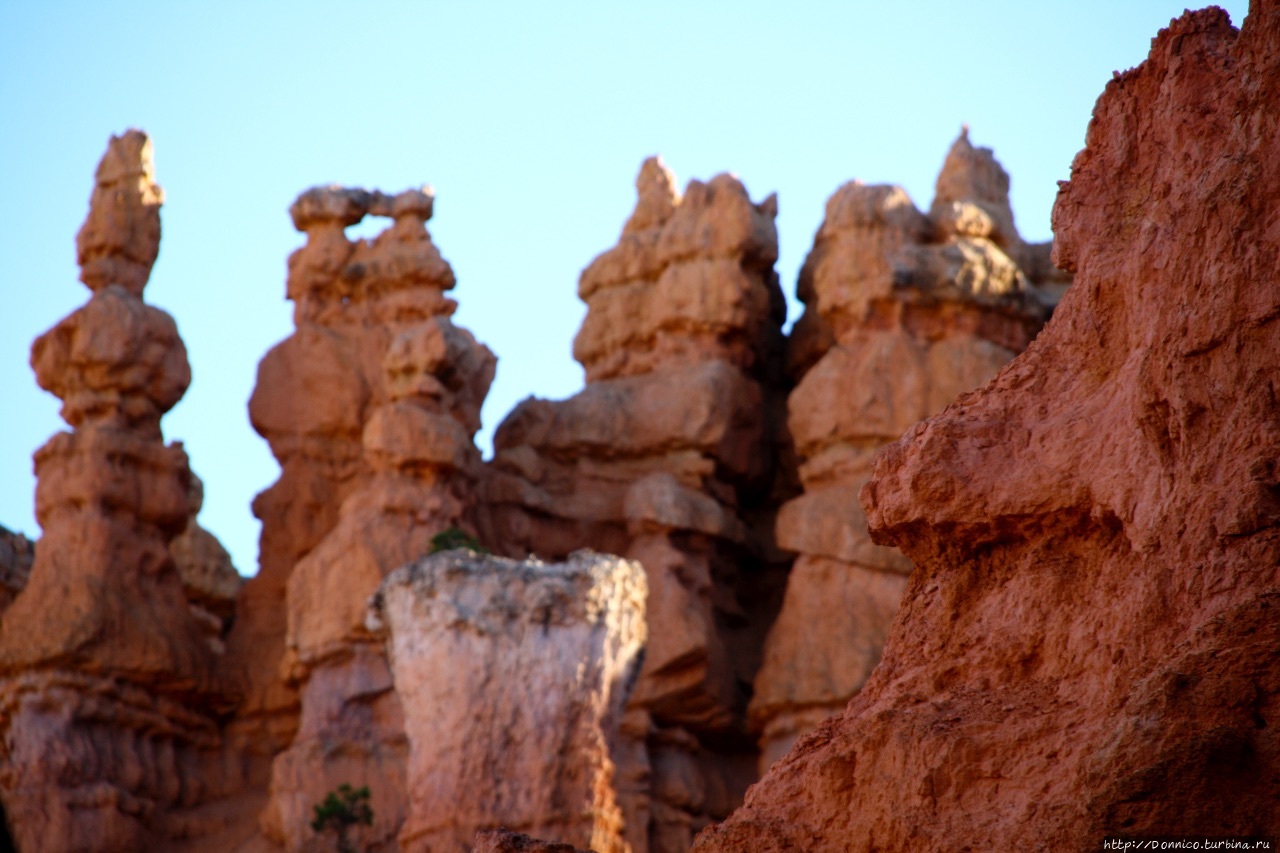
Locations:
341 810
455 537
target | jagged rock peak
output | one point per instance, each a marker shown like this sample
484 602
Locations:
657 196
120 238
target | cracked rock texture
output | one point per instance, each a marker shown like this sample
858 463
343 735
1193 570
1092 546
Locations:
1087 646
514 677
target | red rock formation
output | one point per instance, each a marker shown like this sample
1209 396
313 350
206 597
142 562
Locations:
1088 643
411 385
513 677
921 309
662 457
314 394
106 679
17 553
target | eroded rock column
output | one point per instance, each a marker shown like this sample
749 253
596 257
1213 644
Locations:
421 381
513 677
666 456
920 309
107 698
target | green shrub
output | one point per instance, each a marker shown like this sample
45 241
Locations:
455 537
340 811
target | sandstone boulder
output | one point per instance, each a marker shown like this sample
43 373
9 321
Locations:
514 677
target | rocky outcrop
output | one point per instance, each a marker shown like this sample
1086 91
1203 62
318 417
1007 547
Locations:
107 694
1087 644
919 308
513 677
666 457
372 315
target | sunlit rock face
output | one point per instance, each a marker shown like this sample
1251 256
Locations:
108 698
514 677
1086 646
905 312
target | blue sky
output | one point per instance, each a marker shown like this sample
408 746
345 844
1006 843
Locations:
530 121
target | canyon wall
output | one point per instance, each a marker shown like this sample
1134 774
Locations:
1087 646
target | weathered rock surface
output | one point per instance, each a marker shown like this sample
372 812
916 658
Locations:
513 677
667 457
17 553
414 383
505 841
1088 643
919 308
209 580
107 693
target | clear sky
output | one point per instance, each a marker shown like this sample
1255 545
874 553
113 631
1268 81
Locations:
529 119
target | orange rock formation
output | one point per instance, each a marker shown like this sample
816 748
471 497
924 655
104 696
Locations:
920 309
665 457
108 701
373 320
1087 646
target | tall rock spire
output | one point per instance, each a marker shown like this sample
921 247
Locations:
103 630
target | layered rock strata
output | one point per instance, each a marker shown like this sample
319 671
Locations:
372 315
1087 646
513 677
920 308
107 695
664 457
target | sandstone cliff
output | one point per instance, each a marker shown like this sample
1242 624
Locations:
1088 643
919 309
